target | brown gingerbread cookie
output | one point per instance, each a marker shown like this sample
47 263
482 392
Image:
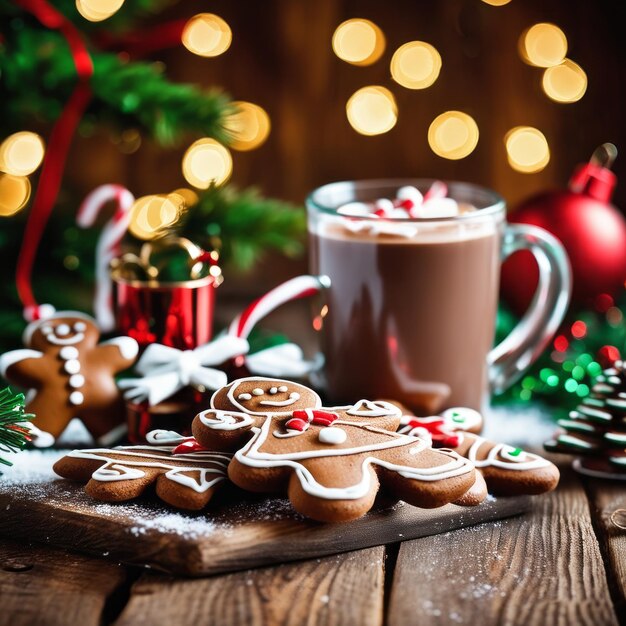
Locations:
507 470
332 472
257 397
70 375
185 475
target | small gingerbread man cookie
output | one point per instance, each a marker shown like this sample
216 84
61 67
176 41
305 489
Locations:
70 375
185 474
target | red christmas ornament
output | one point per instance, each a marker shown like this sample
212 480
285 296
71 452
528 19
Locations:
591 229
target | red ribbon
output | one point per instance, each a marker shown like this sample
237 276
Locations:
58 148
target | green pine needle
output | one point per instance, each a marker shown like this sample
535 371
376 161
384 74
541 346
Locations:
13 437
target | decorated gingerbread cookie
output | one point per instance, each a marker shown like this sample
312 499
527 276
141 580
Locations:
332 472
185 474
257 397
507 470
70 375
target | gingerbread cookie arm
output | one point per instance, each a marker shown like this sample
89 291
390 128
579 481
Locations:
22 367
223 430
118 353
475 494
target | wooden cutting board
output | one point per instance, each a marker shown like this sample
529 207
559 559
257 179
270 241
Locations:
234 534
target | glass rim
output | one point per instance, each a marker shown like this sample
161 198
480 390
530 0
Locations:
496 203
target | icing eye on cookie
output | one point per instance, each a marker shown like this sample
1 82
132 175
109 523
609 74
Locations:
79 327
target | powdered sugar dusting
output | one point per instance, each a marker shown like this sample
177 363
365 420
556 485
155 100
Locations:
32 466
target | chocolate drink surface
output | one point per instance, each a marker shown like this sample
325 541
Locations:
409 318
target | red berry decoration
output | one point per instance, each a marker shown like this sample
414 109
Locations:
591 229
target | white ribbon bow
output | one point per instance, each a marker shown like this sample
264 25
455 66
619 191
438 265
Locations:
282 361
166 370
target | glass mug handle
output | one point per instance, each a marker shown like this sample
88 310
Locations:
518 351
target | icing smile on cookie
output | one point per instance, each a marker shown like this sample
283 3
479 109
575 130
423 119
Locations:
64 334
294 396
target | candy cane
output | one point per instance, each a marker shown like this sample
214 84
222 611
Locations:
293 289
108 243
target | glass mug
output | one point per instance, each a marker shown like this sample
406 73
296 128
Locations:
411 316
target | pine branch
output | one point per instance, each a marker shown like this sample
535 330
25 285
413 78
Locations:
243 225
38 73
13 436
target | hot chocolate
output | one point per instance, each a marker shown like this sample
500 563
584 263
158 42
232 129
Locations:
411 315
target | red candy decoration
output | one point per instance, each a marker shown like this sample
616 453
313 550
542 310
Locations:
296 423
319 418
442 438
190 445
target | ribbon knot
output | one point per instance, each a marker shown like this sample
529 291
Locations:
166 370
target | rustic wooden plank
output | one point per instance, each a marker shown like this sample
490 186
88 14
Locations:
47 586
233 535
544 567
344 589
606 498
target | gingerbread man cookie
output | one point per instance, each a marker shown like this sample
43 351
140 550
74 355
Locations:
71 375
185 474
330 461
507 470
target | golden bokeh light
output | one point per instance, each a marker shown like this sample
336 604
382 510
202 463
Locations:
207 162
249 126
416 65
543 45
98 10
151 214
496 3
453 135
566 82
372 110
207 35
527 149
189 196
14 193
21 153
359 42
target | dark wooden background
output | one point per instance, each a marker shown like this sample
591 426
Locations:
281 58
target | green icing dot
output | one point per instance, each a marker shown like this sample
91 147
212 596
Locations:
516 452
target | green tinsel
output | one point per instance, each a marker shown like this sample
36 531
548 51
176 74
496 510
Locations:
13 435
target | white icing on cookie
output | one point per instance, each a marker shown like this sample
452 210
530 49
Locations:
165 436
463 418
527 461
77 381
68 341
224 420
257 391
127 346
68 352
15 356
368 408
332 435
294 396
72 366
244 396
76 398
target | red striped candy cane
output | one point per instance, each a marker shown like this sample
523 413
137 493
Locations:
108 246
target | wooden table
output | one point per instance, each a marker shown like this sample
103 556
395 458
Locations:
564 562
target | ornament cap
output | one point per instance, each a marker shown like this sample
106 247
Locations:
595 179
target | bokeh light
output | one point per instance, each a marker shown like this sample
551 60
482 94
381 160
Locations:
207 35
453 135
98 10
415 65
359 42
543 45
372 110
566 82
496 3
151 214
14 193
189 196
207 162
249 126
21 153
527 149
